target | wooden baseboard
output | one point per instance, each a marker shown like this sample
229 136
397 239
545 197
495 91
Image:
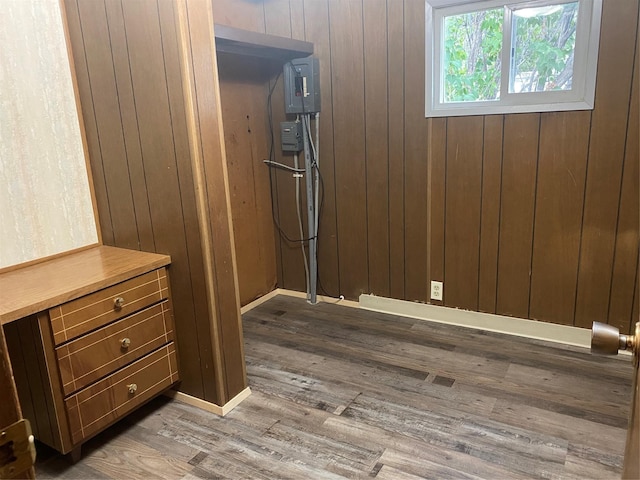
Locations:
258 301
293 293
551 332
208 406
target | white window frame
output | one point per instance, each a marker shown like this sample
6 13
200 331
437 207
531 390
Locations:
580 97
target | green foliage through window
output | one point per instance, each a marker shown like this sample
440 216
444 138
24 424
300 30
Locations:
543 45
473 49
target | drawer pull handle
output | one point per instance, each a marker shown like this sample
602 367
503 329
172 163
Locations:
125 342
118 303
132 388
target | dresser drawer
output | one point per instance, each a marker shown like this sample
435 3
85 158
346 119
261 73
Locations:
80 316
97 354
94 408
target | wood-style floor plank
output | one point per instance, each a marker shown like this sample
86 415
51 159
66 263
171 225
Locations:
345 393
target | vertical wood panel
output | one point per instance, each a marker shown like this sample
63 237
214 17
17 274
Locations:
520 155
347 72
395 80
130 132
244 116
273 176
415 130
147 70
462 222
625 266
564 138
89 119
317 31
277 18
297 14
490 215
278 22
375 69
437 158
245 14
108 121
606 153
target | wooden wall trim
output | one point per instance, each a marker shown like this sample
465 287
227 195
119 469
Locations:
202 98
198 179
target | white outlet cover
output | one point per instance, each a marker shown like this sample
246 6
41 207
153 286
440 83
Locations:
436 290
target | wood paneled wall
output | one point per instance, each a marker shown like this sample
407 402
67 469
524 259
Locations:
244 83
530 215
127 59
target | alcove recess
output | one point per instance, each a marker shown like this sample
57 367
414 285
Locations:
248 65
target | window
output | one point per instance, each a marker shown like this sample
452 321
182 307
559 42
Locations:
491 57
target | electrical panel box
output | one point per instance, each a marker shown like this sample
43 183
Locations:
302 85
291 136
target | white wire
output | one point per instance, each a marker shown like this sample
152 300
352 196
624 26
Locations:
285 166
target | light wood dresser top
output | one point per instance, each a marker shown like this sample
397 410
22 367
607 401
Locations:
38 287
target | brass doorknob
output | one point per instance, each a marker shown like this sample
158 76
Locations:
607 340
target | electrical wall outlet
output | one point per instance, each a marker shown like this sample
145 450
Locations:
436 290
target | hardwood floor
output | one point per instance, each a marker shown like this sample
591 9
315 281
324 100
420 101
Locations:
344 393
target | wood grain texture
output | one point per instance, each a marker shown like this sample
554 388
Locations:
143 46
246 140
93 310
130 132
245 14
10 411
415 155
626 250
74 27
465 138
606 156
395 78
100 66
347 77
316 22
437 158
22 354
377 147
194 312
91 357
99 405
559 202
284 184
39 287
490 213
345 393
519 171
199 69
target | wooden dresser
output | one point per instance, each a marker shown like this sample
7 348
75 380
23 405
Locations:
90 337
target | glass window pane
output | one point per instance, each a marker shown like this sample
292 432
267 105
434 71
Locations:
544 40
472 53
